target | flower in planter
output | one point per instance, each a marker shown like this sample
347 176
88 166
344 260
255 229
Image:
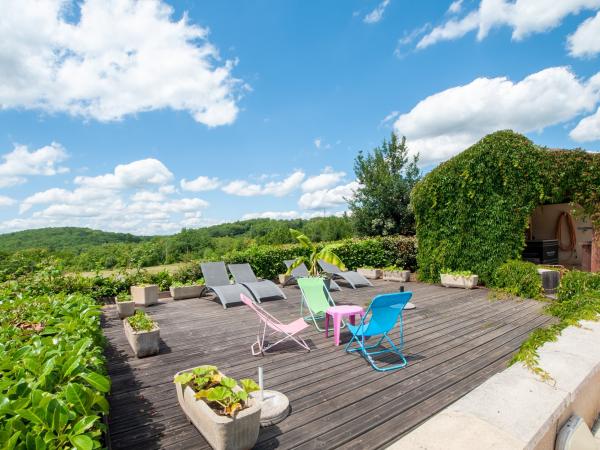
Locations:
221 393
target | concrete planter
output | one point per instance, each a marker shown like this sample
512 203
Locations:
143 343
550 280
183 292
125 309
396 275
221 432
372 274
145 295
460 281
284 279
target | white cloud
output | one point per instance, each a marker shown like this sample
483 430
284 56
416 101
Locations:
525 17
446 123
136 174
585 42
6 201
199 184
121 57
455 7
273 215
588 129
276 188
328 198
324 180
317 142
21 162
377 14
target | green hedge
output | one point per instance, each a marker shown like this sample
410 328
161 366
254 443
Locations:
472 211
52 383
519 278
267 261
575 282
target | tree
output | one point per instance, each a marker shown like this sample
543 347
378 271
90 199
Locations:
386 176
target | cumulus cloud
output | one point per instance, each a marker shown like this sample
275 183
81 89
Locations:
585 42
446 123
588 128
328 198
121 57
525 17
199 184
6 201
22 162
326 179
275 188
135 174
455 7
377 14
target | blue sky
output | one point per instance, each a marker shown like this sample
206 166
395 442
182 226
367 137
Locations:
150 116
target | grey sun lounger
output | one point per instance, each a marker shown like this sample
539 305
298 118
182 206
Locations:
354 279
243 274
302 272
217 280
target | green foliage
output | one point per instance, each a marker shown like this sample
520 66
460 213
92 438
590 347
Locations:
386 176
140 321
221 393
578 299
267 261
393 268
518 278
472 211
456 273
123 297
52 382
325 253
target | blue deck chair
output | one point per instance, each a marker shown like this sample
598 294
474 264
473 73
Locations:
385 310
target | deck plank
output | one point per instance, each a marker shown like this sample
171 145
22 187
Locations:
454 341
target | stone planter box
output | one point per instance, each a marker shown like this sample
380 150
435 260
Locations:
371 274
459 281
221 432
143 343
183 292
396 275
550 280
145 295
284 279
125 309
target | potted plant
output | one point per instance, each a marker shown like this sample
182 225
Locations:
396 273
370 272
125 305
459 278
312 261
142 333
181 291
145 294
219 407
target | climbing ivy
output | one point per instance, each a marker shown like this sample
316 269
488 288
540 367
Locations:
472 211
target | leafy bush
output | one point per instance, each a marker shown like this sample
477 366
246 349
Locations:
456 273
140 321
52 389
519 278
472 211
576 282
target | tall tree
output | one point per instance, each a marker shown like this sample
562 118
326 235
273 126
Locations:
386 175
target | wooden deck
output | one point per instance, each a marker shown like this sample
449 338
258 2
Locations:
454 341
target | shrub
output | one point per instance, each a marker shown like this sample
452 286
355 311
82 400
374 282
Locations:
576 282
52 393
140 321
518 278
188 272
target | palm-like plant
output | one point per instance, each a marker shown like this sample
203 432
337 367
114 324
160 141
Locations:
326 254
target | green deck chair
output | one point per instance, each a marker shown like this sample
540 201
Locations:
317 299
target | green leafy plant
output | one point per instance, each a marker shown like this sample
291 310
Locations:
393 268
221 393
199 282
123 297
326 254
518 278
140 321
456 273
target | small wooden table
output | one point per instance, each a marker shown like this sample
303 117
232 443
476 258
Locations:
338 313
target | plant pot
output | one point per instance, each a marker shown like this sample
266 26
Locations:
125 309
372 274
396 275
459 281
143 343
221 432
145 295
284 279
183 292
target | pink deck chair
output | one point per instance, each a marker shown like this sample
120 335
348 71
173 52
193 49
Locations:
289 331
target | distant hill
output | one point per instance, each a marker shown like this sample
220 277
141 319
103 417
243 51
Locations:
56 239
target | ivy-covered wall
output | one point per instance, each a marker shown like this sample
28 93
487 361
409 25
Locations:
472 211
